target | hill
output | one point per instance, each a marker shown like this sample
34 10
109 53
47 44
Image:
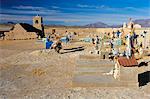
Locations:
97 25
143 22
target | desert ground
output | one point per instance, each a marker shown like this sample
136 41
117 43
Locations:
29 71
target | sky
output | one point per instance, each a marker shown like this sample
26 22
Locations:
74 12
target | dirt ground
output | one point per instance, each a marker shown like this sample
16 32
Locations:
28 71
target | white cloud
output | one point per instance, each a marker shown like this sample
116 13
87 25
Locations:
32 12
91 6
55 7
83 16
76 19
114 9
22 7
83 6
7 17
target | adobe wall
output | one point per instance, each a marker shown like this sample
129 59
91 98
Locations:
92 31
82 32
79 31
128 76
20 35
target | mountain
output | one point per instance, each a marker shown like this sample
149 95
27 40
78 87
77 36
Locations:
143 22
97 25
115 26
101 25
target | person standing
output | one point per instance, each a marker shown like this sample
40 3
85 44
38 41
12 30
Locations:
112 43
93 41
128 47
97 42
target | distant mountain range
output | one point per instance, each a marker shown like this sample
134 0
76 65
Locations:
142 22
97 25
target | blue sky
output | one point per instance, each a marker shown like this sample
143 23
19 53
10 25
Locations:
74 12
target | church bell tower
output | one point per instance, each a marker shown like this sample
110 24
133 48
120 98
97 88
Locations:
38 23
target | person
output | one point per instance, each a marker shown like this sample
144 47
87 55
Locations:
58 46
112 43
93 41
67 39
113 34
118 34
97 42
128 47
67 36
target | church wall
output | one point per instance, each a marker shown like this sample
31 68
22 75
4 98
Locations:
20 35
18 28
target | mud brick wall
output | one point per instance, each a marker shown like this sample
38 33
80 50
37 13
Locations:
22 35
129 76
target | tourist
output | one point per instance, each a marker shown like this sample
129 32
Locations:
58 46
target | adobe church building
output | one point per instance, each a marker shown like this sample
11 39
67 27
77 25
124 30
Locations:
24 31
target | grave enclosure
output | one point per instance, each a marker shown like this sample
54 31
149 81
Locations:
93 71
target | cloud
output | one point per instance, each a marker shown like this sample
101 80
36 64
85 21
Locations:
91 6
75 19
83 6
83 14
28 11
66 20
54 7
22 7
7 17
113 9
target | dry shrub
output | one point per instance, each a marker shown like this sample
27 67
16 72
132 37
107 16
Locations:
38 72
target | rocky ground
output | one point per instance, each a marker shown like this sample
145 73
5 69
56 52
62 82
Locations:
28 71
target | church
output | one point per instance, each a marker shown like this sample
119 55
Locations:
24 31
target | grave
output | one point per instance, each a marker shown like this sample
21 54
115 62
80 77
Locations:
91 72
